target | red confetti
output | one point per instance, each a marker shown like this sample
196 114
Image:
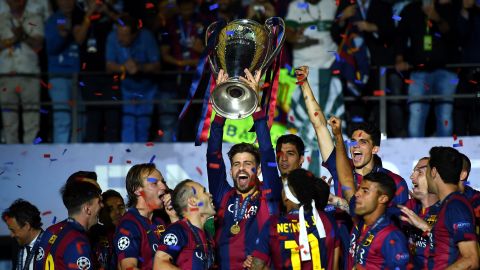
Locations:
199 170
379 93
79 248
408 81
129 162
115 87
392 242
110 159
46 155
454 137
18 89
266 191
84 65
124 231
98 94
316 113
44 85
213 165
160 132
282 237
472 81
149 5
94 17
299 83
336 71
429 23
309 159
149 144
292 119
115 77
446 122
46 213
299 247
265 85
140 24
460 142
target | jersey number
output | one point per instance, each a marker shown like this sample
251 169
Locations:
295 253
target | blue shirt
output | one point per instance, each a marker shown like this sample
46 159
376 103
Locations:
63 53
143 50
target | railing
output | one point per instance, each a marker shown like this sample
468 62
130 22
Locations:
382 99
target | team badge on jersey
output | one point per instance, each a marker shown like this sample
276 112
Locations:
123 243
170 239
40 254
83 263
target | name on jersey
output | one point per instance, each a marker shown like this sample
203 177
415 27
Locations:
293 227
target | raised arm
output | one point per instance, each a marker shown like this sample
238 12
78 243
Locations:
315 114
344 169
217 175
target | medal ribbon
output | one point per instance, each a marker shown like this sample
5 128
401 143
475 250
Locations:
238 216
206 248
373 231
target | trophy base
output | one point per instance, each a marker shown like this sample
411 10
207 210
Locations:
234 99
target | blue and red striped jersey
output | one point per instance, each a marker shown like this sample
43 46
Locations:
64 246
418 242
138 237
473 197
180 242
278 242
455 223
233 249
379 246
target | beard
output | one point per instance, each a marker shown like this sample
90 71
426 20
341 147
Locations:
244 188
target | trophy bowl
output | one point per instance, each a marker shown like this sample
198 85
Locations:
242 44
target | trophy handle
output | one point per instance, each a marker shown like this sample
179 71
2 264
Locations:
269 24
208 34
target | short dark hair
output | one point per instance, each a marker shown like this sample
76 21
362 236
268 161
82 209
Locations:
466 164
134 180
77 193
24 212
307 187
180 194
377 160
110 194
125 20
291 139
448 162
369 128
385 183
244 148
86 176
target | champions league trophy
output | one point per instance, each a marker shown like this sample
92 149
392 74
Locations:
242 44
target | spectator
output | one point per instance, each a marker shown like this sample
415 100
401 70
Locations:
259 10
39 7
430 28
23 220
134 53
21 37
467 111
180 49
102 122
63 60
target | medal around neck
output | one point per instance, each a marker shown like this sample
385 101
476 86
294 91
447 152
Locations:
242 44
235 229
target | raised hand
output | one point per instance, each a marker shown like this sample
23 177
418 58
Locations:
413 219
336 124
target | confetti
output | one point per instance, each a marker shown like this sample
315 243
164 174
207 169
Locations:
336 72
152 159
302 5
140 24
193 209
199 170
309 159
84 65
43 111
229 33
213 7
8 163
408 81
272 164
459 144
160 132
37 140
454 81
54 220
81 84
44 85
152 180
200 204
382 70
128 150
454 137
129 162
265 85
149 144
438 35
313 27
213 165
18 186
472 81
266 191
64 151
110 159
141 259
120 22
379 93
124 231
46 155
357 119
396 18
61 21
149 5
291 118
53 159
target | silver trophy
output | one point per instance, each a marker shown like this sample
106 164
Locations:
242 44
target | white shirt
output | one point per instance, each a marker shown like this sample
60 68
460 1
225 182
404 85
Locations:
30 267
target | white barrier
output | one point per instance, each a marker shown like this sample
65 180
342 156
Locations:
36 172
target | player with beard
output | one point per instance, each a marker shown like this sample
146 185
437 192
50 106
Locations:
423 206
472 195
376 243
138 233
185 245
290 150
243 209
65 245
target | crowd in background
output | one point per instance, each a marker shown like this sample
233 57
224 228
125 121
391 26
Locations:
139 51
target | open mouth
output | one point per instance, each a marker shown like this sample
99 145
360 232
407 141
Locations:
243 179
357 156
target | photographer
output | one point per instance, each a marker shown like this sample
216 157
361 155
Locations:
260 10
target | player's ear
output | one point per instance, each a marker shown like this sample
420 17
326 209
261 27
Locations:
259 170
383 199
375 149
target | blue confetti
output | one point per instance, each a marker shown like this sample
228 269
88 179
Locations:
54 220
230 33
213 7
387 90
396 18
43 111
200 204
128 150
61 21
438 35
8 163
357 119
194 191
37 140
272 164
114 98
174 138
53 159
64 151
358 82
454 81
288 67
152 159
337 57
313 27
457 145
302 5
152 180
120 22
329 208
2 172
81 84
382 70
467 183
